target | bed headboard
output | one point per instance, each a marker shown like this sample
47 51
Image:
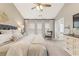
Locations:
7 27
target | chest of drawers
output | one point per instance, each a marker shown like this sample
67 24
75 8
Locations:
71 45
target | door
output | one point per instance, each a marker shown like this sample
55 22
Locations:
59 29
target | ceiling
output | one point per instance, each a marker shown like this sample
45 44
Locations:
47 13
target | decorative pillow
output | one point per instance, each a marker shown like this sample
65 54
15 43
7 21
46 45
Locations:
17 35
6 31
5 37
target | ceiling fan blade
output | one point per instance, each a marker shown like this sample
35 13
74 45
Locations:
46 5
38 3
33 8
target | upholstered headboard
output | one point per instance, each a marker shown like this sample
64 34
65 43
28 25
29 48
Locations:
7 27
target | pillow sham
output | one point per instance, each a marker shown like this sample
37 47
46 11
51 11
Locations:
16 35
5 37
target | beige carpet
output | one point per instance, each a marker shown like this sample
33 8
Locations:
55 48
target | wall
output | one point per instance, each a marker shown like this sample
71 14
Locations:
67 12
14 16
38 23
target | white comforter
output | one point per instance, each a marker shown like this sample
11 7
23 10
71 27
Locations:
31 46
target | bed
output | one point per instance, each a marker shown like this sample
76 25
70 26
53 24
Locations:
31 45
28 46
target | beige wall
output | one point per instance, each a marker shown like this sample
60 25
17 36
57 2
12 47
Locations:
67 12
12 13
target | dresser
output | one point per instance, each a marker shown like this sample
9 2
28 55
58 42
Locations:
71 44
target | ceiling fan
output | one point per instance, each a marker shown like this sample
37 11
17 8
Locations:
40 6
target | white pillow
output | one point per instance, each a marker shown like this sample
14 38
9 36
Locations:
17 35
5 37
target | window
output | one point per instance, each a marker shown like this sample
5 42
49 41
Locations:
31 27
39 27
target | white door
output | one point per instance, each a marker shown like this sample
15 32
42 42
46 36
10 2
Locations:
59 29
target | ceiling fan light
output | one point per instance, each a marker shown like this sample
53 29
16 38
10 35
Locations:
38 7
41 7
